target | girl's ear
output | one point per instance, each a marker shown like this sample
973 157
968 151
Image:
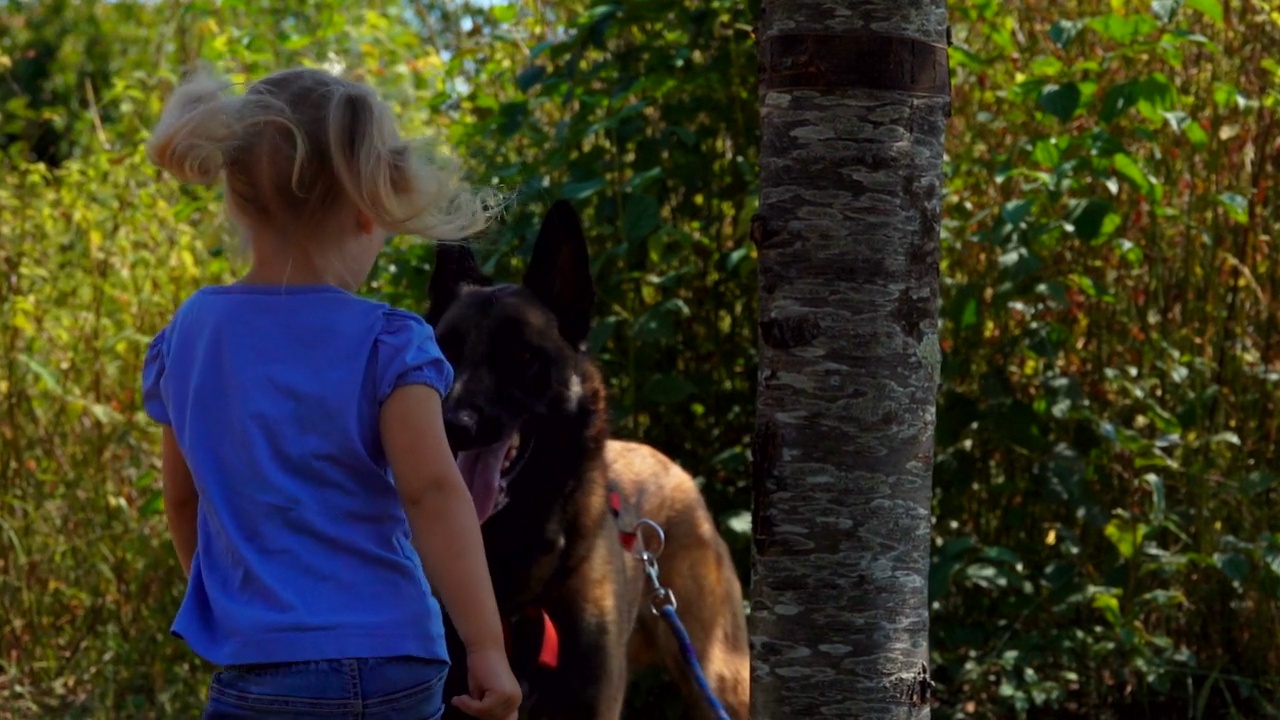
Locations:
364 222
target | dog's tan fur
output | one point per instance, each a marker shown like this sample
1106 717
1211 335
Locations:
695 564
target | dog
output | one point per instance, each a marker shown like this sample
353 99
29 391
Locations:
560 501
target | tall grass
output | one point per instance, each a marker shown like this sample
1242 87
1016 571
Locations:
96 256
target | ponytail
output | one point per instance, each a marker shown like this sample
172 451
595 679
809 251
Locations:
195 131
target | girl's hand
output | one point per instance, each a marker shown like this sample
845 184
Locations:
495 694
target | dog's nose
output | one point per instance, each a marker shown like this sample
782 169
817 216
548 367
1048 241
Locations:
460 428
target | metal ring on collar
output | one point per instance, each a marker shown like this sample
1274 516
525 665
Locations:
657 529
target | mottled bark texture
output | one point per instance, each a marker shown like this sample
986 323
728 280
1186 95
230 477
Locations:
854 102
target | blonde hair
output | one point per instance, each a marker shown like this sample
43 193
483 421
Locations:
298 142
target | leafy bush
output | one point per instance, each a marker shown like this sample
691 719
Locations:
1105 454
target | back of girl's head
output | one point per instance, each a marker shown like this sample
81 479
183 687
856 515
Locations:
300 143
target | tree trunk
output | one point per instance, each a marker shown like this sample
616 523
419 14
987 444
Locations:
854 100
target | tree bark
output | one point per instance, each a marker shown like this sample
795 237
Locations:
854 101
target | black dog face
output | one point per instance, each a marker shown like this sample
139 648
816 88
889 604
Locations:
515 350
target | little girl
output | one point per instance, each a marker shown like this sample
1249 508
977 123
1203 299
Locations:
288 405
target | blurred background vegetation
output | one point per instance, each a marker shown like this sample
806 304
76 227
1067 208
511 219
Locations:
1105 540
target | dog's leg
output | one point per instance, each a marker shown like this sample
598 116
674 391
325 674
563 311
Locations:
594 619
590 680
709 603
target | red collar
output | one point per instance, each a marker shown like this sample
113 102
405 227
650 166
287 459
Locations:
627 537
549 649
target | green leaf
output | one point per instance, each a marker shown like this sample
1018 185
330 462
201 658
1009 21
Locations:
511 117
640 218
1117 99
1125 536
1129 169
1015 211
101 413
1232 564
1196 135
1177 119
641 179
1225 437
1060 101
969 313
1183 124
1130 252
1047 153
1110 606
739 523
999 554
600 333
1237 206
956 547
1123 29
530 77
540 48
581 190
505 13
153 505
1256 482
1156 95
658 323
684 135
1211 9
945 563
45 374
1156 483
1063 32
1165 10
1086 218
1163 598
668 389
1271 556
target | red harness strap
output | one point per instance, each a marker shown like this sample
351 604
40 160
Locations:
549 651
627 537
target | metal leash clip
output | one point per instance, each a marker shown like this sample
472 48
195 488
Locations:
662 596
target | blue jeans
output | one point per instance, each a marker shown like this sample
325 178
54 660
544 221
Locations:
395 688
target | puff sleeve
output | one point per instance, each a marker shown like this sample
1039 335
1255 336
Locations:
407 354
153 367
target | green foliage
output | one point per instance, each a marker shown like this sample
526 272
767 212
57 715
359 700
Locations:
1106 429
1106 464
86 576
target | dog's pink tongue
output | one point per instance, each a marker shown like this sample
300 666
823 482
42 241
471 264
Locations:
481 470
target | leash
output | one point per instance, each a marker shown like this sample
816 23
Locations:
686 649
663 601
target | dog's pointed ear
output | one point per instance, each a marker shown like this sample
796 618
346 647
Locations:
559 272
456 268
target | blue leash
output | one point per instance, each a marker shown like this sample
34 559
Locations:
690 657
664 604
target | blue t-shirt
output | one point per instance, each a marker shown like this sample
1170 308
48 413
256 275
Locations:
303 547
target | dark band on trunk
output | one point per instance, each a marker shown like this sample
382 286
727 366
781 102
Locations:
860 61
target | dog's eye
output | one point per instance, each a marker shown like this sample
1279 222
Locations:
525 362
